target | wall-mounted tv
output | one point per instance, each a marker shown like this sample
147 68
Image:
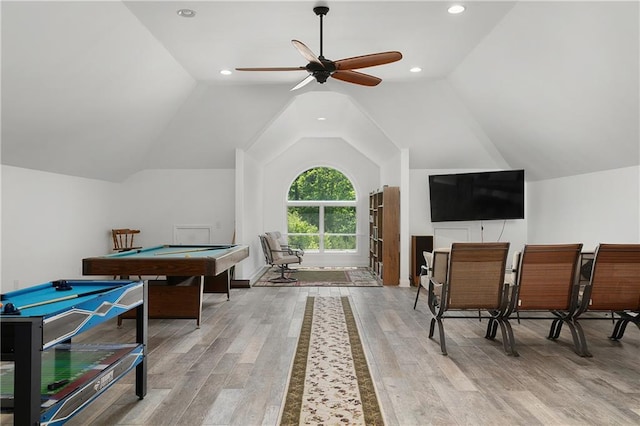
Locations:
477 196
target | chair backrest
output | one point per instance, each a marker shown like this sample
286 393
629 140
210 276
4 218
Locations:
440 264
512 276
475 277
123 238
615 279
275 248
546 277
428 262
266 250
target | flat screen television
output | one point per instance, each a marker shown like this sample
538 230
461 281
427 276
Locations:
477 196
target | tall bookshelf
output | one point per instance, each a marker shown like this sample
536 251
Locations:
384 234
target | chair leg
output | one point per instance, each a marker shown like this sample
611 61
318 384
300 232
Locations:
417 294
579 339
554 331
622 322
618 330
443 345
508 339
492 328
282 278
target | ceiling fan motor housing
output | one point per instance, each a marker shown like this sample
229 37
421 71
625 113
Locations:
321 72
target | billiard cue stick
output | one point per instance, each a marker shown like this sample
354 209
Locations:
60 299
183 251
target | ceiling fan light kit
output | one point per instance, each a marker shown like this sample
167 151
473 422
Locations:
321 68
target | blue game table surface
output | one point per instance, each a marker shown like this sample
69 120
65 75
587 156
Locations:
86 293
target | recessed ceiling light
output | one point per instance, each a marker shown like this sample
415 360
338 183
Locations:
225 72
415 69
455 9
322 118
186 13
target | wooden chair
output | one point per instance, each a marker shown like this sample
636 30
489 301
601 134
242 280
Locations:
475 281
546 281
275 256
123 239
614 286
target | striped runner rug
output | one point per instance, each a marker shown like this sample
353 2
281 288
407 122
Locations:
330 381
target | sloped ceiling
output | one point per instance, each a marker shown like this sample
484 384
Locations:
105 89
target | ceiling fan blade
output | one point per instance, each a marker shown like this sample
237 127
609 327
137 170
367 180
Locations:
365 61
273 69
356 78
306 52
304 82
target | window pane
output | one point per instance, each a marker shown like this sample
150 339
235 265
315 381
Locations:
322 184
339 242
305 242
303 220
340 220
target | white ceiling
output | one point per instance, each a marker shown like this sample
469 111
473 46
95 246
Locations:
105 89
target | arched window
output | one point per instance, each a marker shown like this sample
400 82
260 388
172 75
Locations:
321 211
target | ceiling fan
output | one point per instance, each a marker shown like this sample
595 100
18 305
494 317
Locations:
321 68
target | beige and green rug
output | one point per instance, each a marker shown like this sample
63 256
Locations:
330 382
321 277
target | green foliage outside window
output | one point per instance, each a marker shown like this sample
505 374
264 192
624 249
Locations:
322 184
301 221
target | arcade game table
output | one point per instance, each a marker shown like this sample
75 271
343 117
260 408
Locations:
45 377
190 271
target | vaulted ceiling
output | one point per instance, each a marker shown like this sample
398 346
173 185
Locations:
103 89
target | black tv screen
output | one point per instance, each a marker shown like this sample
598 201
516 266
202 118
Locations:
477 196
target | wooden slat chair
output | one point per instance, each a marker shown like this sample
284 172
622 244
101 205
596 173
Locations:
123 239
475 281
276 256
615 285
546 282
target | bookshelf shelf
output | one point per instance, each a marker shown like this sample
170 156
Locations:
384 234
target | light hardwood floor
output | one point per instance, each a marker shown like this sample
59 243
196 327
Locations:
233 370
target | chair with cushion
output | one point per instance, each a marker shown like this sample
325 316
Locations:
276 256
474 281
614 286
545 283
284 244
123 239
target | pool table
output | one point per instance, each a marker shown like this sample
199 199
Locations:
38 324
190 271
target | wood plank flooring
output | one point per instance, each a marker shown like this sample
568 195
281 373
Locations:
234 369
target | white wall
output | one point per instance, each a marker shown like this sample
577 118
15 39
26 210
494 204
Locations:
155 201
50 222
593 208
313 152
